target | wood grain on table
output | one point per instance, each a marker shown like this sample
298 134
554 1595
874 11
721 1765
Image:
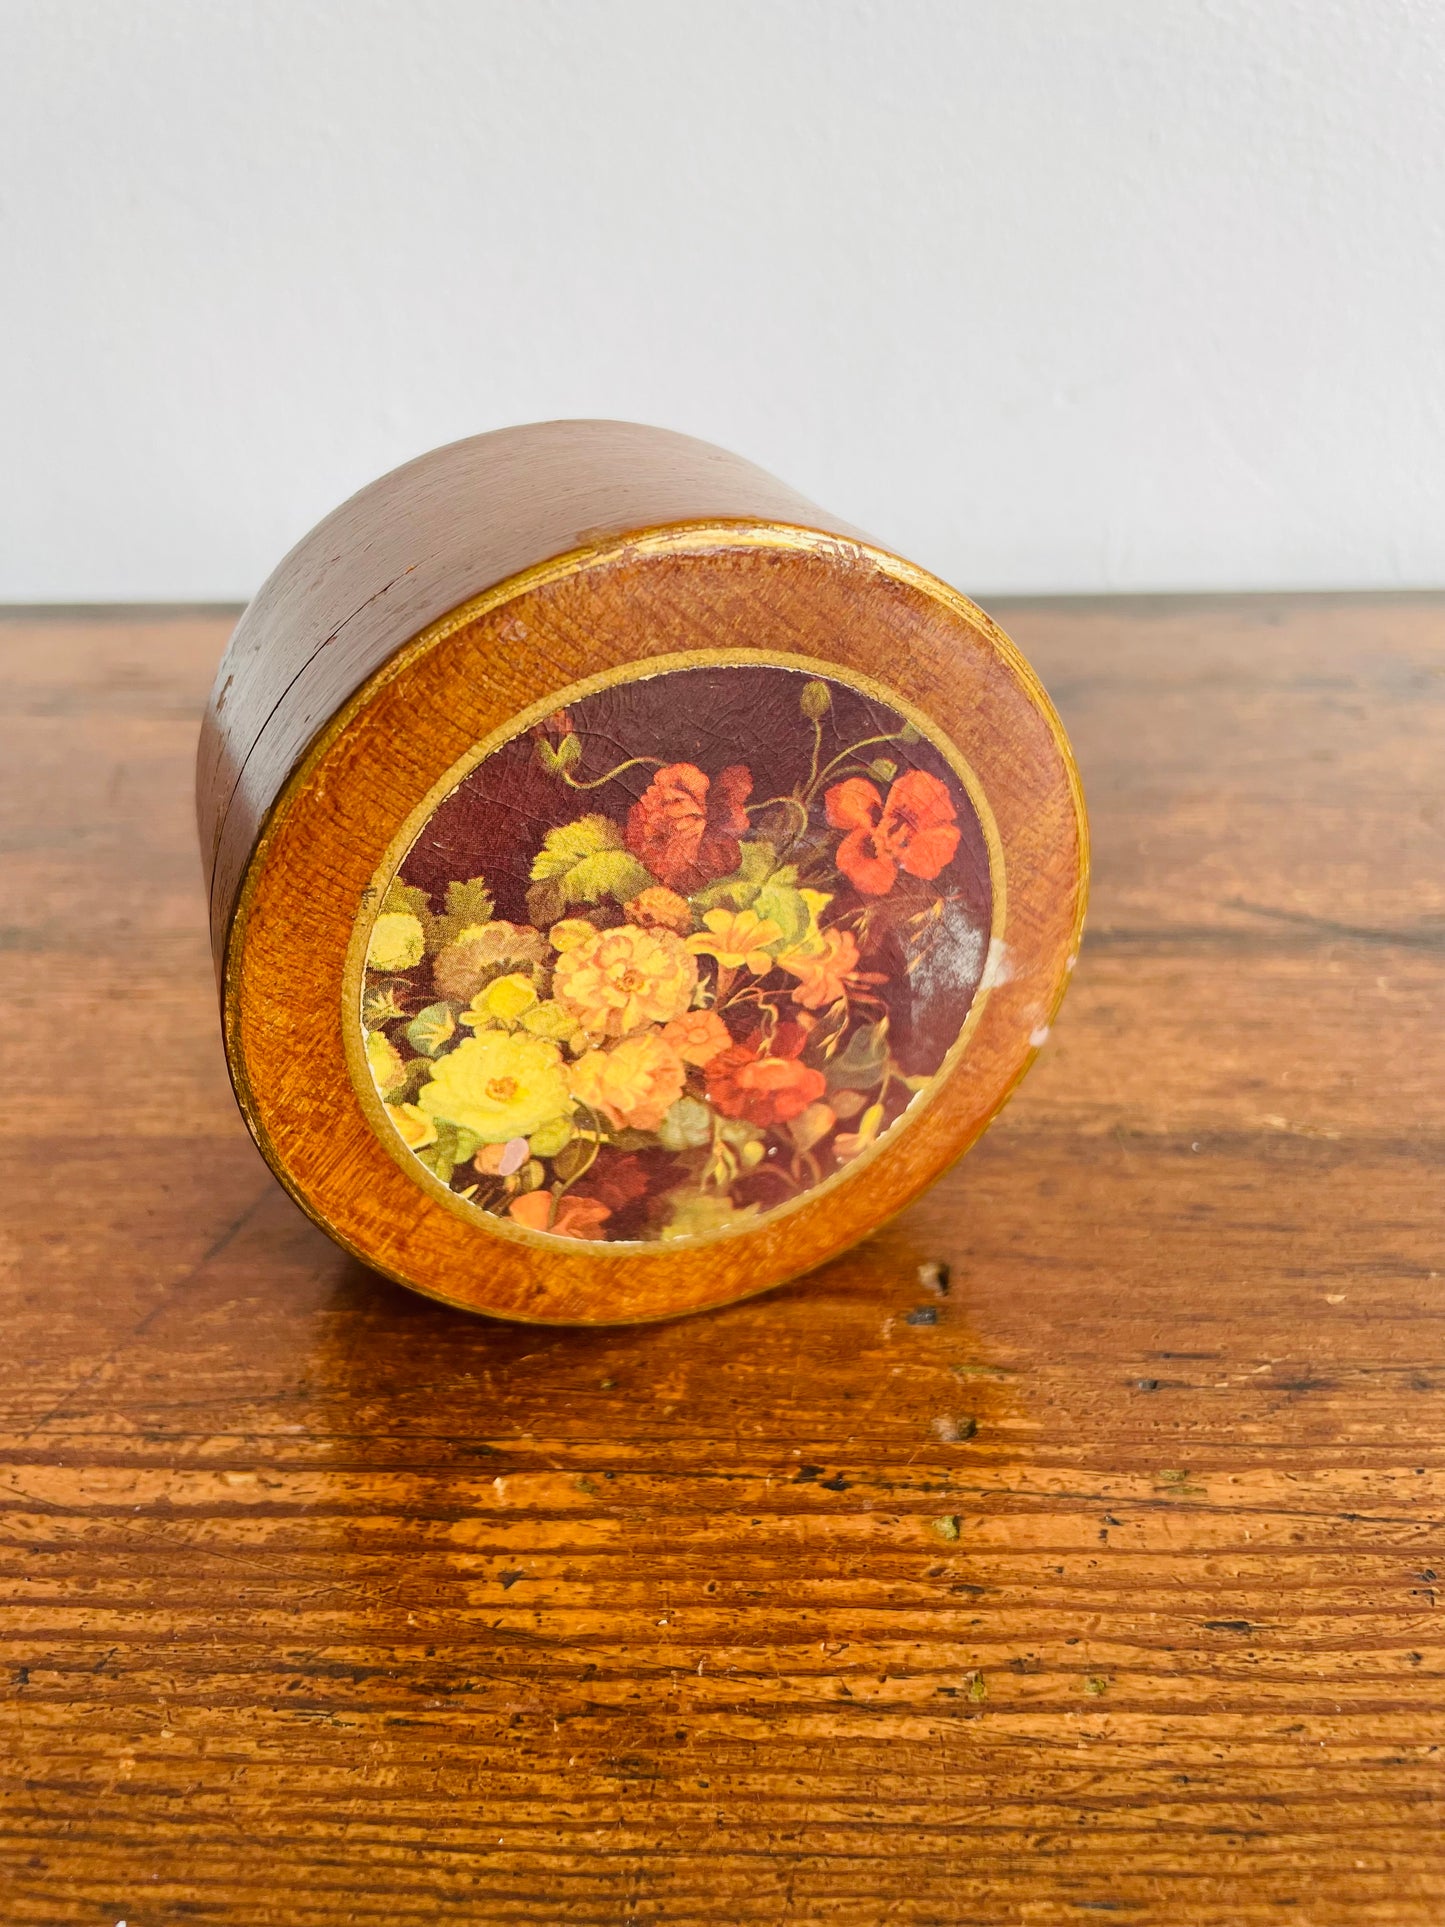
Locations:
1108 1586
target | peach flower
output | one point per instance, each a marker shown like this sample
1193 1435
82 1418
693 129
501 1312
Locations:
618 981
823 978
698 1037
634 1085
573 1218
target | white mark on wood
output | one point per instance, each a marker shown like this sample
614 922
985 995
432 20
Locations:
997 967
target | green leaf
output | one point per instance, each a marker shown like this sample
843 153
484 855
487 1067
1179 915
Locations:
418 1072
583 862
405 897
571 843
739 1131
469 907
558 757
574 1158
883 768
381 1005
861 1065
432 1029
787 909
611 873
453 1146
757 862
686 1126
546 902
694 1214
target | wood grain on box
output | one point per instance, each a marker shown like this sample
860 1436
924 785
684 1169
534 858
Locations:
487 587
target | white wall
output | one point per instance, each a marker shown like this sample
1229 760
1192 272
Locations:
1051 294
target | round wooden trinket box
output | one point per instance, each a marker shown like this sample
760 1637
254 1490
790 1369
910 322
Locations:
629 885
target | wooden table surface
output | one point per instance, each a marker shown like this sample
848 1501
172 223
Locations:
1108 1586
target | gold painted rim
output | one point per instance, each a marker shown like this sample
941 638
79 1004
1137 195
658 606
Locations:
642 670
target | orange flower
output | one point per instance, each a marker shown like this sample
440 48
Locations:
575 1217
685 827
698 1037
915 830
621 980
634 1085
659 909
823 978
764 1090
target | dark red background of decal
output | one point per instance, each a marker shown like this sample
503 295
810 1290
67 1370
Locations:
493 823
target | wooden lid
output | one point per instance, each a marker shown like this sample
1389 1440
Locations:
630 887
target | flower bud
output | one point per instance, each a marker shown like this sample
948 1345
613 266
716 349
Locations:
816 700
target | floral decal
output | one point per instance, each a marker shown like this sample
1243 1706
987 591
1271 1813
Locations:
678 955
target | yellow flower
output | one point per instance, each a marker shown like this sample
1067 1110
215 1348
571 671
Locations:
737 937
384 1061
634 1085
499 1085
503 1004
659 908
571 931
554 1020
396 941
415 1129
817 902
619 981
848 1144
